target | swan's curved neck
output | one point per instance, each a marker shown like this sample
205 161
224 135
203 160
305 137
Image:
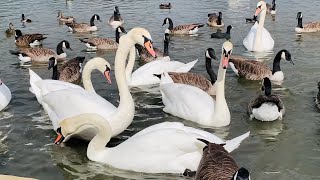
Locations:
258 38
86 76
130 65
213 76
262 18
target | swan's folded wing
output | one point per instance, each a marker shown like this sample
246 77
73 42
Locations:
268 41
248 42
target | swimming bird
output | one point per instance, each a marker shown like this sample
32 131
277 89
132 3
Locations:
252 20
271 8
25 20
165 6
317 100
28 39
215 20
258 38
11 30
116 19
5 95
84 27
146 57
220 35
198 80
267 107
42 55
104 43
194 104
308 27
255 70
65 19
70 71
181 29
168 147
217 164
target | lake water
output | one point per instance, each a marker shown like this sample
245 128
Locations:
288 149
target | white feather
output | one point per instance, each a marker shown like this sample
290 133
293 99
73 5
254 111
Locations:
267 112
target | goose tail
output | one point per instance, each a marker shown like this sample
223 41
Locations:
186 67
235 142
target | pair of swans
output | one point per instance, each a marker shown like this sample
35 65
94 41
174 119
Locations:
168 147
258 38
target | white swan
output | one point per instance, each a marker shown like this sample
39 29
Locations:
168 147
192 103
5 95
258 38
76 101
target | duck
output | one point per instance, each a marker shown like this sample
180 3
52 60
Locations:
317 99
198 80
252 20
104 43
84 27
255 70
11 30
271 8
116 19
28 39
25 20
193 103
146 57
70 71
215 20
217 163
5 95
42 55
168 147
306 28
165 6
258 38
219 35
77 100
267 107
181 29
65 19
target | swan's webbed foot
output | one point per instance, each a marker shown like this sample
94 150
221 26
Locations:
189 173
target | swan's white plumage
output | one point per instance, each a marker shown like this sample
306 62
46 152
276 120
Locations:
267 112
5 96
265 37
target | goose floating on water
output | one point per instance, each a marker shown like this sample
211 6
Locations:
271 8
84 27
65 19
267 107
220 35
165 6
11 30
308 27
215 20
116 19
181 29
26 40
25 20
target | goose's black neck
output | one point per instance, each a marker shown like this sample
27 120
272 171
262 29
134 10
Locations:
219 19
276 63
210 71
267 86
299 23
165 48
117 35
59 48
170 24
55 73
228 31
116 16
92 20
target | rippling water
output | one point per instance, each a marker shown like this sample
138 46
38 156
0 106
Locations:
287 149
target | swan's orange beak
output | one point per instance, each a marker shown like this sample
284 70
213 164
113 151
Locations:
258 10
59 139
225 61
148 46
107 75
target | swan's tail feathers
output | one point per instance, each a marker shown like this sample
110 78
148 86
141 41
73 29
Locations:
186 67
158 76
34 78
165 78
235 142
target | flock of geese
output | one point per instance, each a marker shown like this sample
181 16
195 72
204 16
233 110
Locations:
168 147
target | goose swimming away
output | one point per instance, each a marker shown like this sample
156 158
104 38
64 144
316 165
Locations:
217 164
252 20
220 35
255 70
271 8
267 107
181 29
165 6
116 20
308 27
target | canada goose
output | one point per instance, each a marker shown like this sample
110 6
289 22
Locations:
317 100
24 20
84 27
116 19
146 57
181 29
66 19
165 6
70 71
309 27
271 8
220 35
267 107
28 39
217 164
252 20
198 80
10 30
255 70
104 43
215 20
42 55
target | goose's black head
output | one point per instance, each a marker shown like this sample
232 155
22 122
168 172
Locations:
121 29
210 53
241 174
299 15
165 21
116 9
285 54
